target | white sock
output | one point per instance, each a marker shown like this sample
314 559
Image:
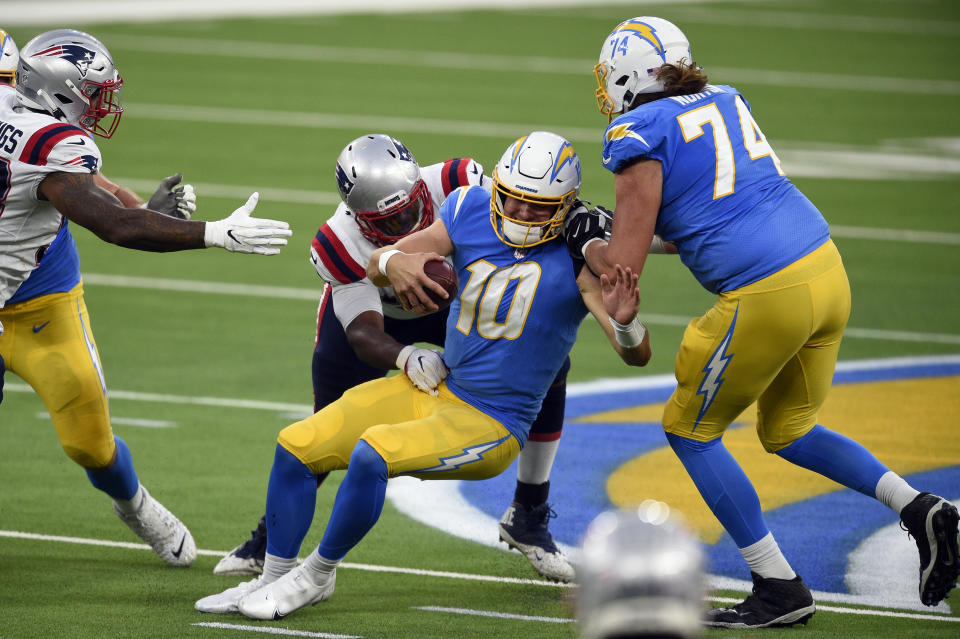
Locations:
319 567
275 567
536 460
132 505
894 491
765 559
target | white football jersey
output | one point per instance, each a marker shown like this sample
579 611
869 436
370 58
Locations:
32 146
340 253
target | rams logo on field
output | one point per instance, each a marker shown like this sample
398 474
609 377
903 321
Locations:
613 453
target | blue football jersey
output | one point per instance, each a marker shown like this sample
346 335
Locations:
514 319
58 271
733 215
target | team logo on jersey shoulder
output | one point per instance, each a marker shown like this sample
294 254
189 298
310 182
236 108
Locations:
78 56
89 162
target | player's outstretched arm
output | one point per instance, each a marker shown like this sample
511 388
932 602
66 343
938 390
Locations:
78 197
614 303
401 265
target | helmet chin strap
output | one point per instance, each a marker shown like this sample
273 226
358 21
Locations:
521 234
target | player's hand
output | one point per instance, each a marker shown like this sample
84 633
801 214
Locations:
174 199
241 233
621 299
585 223
405 272
423 366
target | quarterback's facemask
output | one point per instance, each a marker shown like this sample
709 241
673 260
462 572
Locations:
403 214
631 58
70 75
379 181
541 169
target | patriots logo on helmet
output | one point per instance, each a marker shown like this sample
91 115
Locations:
343 182
80 57
404 152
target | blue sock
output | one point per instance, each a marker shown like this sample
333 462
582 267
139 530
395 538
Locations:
838 457
358 504
724 486
120 479
291 500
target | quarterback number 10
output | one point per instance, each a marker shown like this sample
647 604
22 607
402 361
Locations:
756 145
486 289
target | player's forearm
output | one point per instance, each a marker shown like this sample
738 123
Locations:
374 347
146 230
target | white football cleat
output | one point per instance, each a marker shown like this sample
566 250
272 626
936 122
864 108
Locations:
157 526
291 592
226 601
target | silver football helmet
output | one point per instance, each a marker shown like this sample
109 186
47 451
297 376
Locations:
71 75
540 168
640 574
631 58
379 181
9 57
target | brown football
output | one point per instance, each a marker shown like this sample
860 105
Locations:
442 273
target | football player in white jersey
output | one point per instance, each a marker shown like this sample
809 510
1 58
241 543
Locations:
362 330
67 88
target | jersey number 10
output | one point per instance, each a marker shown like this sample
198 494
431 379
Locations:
756 145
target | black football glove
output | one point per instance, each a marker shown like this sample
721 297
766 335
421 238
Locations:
583 223
174 199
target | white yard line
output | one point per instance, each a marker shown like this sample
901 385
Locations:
493 613
302 196
272 630
509 63
218 288
829 161
15 534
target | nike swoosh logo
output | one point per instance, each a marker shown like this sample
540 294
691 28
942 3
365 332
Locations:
78 143
420 361
475 170
180 549
232 237
607 158
37 329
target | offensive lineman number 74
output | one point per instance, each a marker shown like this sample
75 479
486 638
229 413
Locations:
756 145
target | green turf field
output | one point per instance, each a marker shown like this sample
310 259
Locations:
859 98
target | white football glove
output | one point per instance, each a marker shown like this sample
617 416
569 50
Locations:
423 366
241 233
173 199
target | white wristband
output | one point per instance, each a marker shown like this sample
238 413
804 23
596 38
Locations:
629 335
384 258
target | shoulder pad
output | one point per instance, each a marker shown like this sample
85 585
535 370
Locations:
332 260
62 145
459 172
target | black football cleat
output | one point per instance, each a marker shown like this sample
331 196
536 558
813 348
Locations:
774 603
932 522
526 530
247 558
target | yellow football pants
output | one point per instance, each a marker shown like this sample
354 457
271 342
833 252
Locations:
48 342
774 342
430 437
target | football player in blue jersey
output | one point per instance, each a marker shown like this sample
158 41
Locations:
362 331
519 290
51 176
691 164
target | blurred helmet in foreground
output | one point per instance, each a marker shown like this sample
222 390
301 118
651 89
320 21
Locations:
641 575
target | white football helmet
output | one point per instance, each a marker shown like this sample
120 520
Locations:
379 181
540 168
631 58
9 57
640 574
70 75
